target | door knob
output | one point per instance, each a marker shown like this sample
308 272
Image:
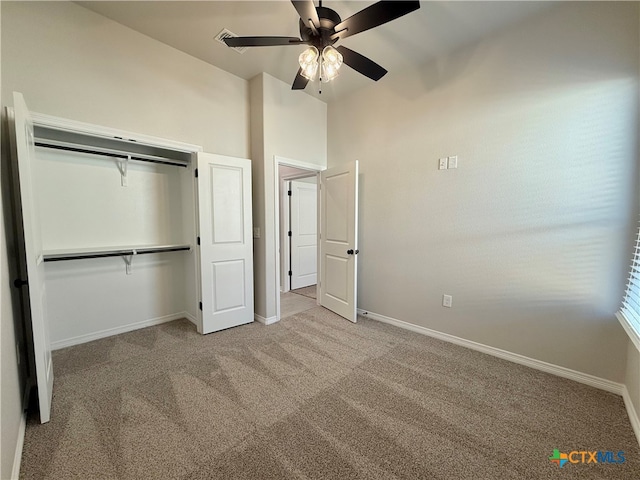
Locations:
350 252
18 282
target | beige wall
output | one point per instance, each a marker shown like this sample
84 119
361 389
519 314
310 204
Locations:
632 379
531 234
12 371
76 64
293 125
12 374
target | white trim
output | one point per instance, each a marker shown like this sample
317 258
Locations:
291 162
631 411
22 428
263 320
69 342
40 119
585 378
17 457
633 333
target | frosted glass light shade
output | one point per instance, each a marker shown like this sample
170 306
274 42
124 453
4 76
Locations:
308 61
331 62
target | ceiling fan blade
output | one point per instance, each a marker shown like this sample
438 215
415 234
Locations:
362 64
261 41
373 16
307 11
299 82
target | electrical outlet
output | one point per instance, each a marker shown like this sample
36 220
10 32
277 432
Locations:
256 232
442 165
453 162
447 301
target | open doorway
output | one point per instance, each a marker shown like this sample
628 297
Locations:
337 232
297 239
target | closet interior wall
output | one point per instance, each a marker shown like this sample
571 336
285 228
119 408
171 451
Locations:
89 202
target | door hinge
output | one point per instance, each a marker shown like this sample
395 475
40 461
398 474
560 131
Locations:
196 172
200 305
198 240
289 192
289 233
290 273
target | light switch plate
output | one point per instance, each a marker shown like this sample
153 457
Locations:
453 162
256 232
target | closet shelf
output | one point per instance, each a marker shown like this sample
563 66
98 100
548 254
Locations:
81 253
107 152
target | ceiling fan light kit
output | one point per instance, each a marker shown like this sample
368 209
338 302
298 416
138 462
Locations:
321 28
308 61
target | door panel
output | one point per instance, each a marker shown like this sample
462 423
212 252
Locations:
304 233
227 204
339 239
23 144
226 244
336 278
229 285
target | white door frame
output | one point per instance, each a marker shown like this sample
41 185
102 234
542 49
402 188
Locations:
312 168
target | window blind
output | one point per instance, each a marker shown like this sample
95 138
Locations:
631 302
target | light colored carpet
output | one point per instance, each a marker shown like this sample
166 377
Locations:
314 397
309 291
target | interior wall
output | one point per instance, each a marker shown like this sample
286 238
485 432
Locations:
294 126
257 181
13 371
73 63
632 379
13 377
531 233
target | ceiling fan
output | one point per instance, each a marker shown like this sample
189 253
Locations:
321 28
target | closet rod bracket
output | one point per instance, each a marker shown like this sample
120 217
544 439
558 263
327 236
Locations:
123 167
127 260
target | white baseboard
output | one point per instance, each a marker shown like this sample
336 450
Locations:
585 378
22 428
263 320
17 457
69 342
191 318
631 411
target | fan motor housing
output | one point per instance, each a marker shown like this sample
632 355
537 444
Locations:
328 20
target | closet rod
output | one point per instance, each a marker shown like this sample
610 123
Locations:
114 253
69 147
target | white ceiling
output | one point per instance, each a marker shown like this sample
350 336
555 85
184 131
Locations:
435 29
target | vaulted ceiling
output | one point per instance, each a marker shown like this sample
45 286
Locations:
435 29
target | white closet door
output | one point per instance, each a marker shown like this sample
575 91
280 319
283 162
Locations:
226 243
339 240
36 291
304 233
